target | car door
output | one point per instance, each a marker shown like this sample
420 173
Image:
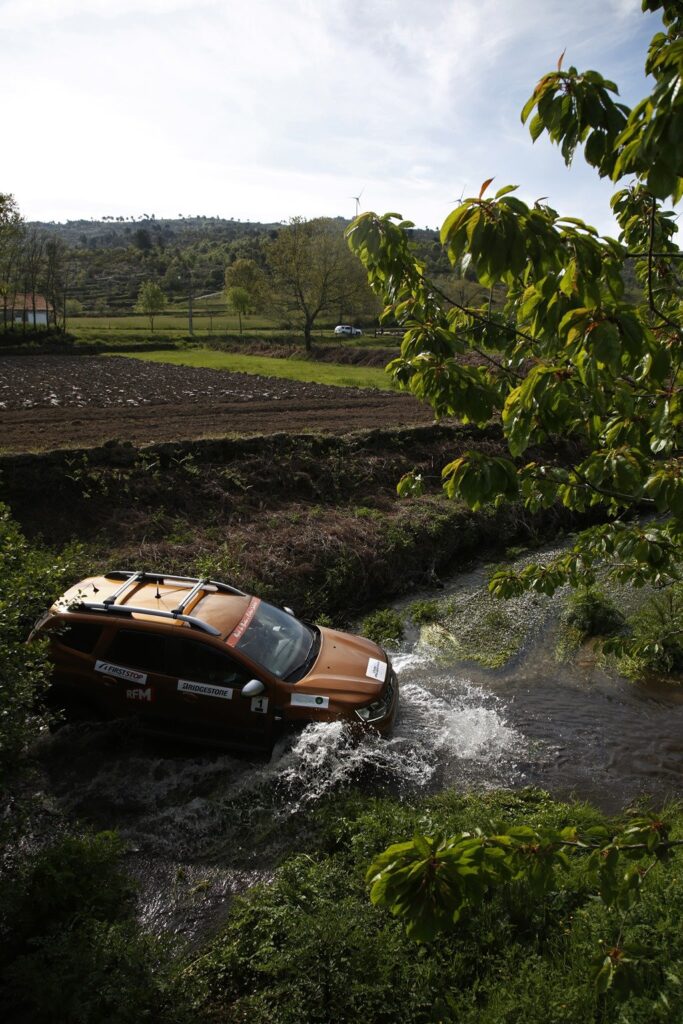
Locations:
74 644
131 673
208 687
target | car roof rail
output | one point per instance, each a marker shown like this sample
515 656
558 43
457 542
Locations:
163 577
132 577
160 613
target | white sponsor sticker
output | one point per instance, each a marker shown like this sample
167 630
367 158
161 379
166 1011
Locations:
259 705
205 689
376 669
137 694
120 672
309 700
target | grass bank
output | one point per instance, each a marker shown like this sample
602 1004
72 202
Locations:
290 369
310 519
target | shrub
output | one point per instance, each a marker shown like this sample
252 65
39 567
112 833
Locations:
30 579
656 644
590 612
310 947
424 612
75 878
71 951
384 626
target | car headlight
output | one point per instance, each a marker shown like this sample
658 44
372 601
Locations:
379 708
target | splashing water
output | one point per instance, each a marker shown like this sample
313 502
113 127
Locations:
461 725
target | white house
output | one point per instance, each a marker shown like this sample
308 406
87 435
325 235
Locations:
30 309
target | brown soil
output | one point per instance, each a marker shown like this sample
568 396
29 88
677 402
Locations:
64 401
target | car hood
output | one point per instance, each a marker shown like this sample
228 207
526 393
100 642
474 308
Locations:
343 666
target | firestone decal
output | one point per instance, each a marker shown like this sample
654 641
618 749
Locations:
376 669
309 700
205 689
120 672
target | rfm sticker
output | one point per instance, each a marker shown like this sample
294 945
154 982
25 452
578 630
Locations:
141 695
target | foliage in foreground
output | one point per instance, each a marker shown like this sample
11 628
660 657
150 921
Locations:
71 951
30 578
569 355
309 947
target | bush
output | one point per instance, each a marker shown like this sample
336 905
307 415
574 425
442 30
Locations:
71 951
76 878
424 612
656 644
30 579
590 612
384 626
310 947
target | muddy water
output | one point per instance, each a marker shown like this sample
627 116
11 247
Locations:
202 826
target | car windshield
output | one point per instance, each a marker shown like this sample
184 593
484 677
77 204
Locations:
274 639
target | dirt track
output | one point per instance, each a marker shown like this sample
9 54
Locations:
64 401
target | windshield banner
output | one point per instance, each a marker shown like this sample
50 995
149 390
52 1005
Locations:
242 626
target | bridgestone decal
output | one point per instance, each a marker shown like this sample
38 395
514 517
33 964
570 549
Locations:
241 627
309 700
205 689
107 669
376 669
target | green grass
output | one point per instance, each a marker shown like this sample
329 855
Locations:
290 369
202 323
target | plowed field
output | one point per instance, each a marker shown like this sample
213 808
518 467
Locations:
65 401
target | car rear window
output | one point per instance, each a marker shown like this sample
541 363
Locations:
140 649
80 636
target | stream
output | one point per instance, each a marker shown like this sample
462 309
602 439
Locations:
203 825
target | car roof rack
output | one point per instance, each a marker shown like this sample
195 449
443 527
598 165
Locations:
128 578
160 613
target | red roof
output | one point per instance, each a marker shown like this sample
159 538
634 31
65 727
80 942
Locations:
25 302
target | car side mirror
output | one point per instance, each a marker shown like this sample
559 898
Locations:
254 688
288 610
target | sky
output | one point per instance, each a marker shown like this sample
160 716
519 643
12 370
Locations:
267 109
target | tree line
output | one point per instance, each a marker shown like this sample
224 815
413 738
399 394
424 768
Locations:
292 273
33 264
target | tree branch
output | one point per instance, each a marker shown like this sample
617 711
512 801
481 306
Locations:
650 291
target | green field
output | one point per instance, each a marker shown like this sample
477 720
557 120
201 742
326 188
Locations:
202 323
291 369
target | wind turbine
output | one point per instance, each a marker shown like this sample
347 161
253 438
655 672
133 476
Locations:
357 198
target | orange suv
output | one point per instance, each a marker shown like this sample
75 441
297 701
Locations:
200 659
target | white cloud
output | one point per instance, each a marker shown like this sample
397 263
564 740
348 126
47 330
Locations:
276 107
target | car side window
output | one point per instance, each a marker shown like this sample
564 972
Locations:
139 649
79 636
188 659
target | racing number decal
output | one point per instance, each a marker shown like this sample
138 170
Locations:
259 705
